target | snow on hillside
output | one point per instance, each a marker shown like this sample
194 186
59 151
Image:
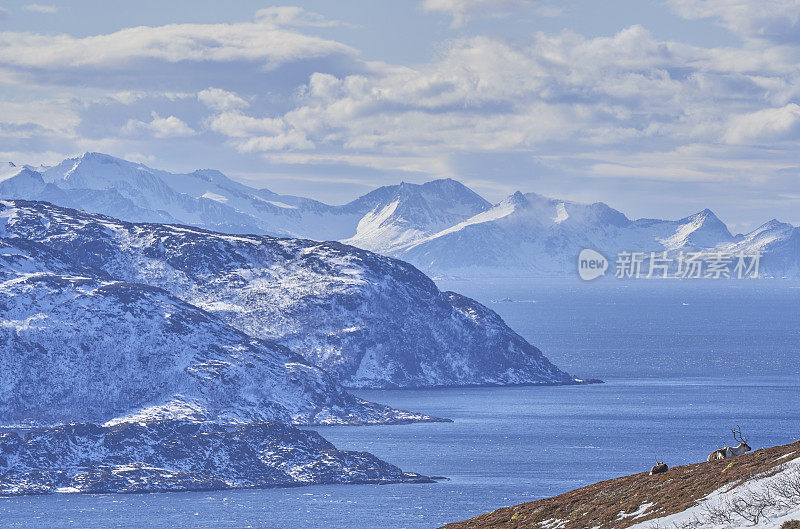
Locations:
79 348
779 242
103 184
174 455
765 501
396 216
528 235
370 320
7 170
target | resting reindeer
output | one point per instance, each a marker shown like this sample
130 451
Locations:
659 468
731 451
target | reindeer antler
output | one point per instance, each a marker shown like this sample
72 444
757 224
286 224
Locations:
737 435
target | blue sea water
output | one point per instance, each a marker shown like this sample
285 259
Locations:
683 363
660 328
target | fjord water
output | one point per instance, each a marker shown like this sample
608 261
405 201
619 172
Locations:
683 363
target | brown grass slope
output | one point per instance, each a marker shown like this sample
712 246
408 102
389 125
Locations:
600 505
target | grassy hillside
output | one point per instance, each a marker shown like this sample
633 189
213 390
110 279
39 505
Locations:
631 500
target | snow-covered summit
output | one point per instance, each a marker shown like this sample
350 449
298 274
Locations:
698 231
395 216
442 226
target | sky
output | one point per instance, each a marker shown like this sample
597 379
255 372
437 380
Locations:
659 108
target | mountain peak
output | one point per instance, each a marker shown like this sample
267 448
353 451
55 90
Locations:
15 182
773 224
705 214
100 157
705 217
9 171
770 230
210 175
516 199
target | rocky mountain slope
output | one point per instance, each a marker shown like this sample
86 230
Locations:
761 488
168 396
174 455
81 348
442 227
369 320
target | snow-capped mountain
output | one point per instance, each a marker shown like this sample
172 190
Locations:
183 396
442 227
174 455
778 241
380 220
394 216
99 183
370 320
531 235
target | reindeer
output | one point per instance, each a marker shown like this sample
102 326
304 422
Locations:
659 468
731 451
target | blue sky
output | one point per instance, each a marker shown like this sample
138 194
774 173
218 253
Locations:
659 108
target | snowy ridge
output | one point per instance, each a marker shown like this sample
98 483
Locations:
441 227
369 320
79 348
402 214
528 235
178 456
103 184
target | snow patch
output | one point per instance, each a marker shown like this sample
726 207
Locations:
215 197
561 213
281 204
638 513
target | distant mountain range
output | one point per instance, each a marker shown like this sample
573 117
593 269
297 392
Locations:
442 227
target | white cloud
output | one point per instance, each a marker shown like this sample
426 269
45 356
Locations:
130 97
251 42
218 99
293 16
258 134
768 125
34 158
237 125
38 8
690 162
169 127
463 10
562 94
772 20
38 118
487 95
290 139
